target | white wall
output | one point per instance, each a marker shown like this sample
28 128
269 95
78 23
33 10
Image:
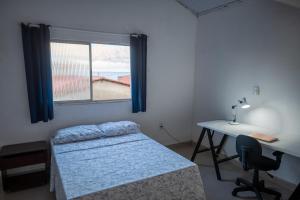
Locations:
171 63
252 43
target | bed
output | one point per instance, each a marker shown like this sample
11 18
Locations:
123 167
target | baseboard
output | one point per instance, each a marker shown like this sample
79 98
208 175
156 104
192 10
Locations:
189 142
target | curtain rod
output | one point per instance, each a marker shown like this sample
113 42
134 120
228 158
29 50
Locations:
77 29
226 5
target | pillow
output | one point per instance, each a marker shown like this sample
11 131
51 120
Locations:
77 133
111 129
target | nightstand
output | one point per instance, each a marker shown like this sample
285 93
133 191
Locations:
20 155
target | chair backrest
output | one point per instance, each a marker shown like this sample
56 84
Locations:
249 151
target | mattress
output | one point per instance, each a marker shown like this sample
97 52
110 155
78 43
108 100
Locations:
131 166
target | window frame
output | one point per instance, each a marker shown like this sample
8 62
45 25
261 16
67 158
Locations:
70 36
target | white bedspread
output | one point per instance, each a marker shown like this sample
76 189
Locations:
121 168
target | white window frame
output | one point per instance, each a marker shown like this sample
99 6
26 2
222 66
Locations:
64 35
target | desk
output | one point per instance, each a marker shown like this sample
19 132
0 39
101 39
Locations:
286 145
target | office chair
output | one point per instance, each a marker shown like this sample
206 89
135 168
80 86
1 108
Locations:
250 155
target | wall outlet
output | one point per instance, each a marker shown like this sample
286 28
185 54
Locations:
256 90
161 125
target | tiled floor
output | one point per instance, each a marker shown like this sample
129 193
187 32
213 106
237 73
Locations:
215 190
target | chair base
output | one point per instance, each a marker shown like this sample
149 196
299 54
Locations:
256 188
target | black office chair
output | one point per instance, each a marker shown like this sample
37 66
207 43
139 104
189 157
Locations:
250 155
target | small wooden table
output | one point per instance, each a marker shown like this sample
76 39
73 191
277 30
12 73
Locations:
20 155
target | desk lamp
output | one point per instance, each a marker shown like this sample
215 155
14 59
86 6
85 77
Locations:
241 104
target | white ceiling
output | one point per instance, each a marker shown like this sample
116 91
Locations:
198 6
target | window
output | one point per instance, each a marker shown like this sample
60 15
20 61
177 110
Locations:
70 71
90 70
111 72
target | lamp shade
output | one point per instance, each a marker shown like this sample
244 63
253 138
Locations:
244 104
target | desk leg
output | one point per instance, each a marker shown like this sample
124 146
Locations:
221 144
212 149
198 144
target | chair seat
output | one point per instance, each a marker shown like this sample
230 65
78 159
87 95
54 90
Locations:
265 163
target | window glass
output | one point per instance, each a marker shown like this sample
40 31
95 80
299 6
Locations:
70 71
75 78
111 72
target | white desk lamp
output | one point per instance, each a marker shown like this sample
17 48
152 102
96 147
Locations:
242 104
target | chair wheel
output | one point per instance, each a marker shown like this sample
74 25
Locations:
277 197
234 193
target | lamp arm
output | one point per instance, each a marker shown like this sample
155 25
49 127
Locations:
234 112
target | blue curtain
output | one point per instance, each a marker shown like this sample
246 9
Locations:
138 61
36 47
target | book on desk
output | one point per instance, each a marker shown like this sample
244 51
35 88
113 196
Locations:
263 137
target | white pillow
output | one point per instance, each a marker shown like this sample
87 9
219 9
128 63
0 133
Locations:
77 133
111 129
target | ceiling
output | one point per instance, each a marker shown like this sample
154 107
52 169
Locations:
199 6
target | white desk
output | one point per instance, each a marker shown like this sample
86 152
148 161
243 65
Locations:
286 145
